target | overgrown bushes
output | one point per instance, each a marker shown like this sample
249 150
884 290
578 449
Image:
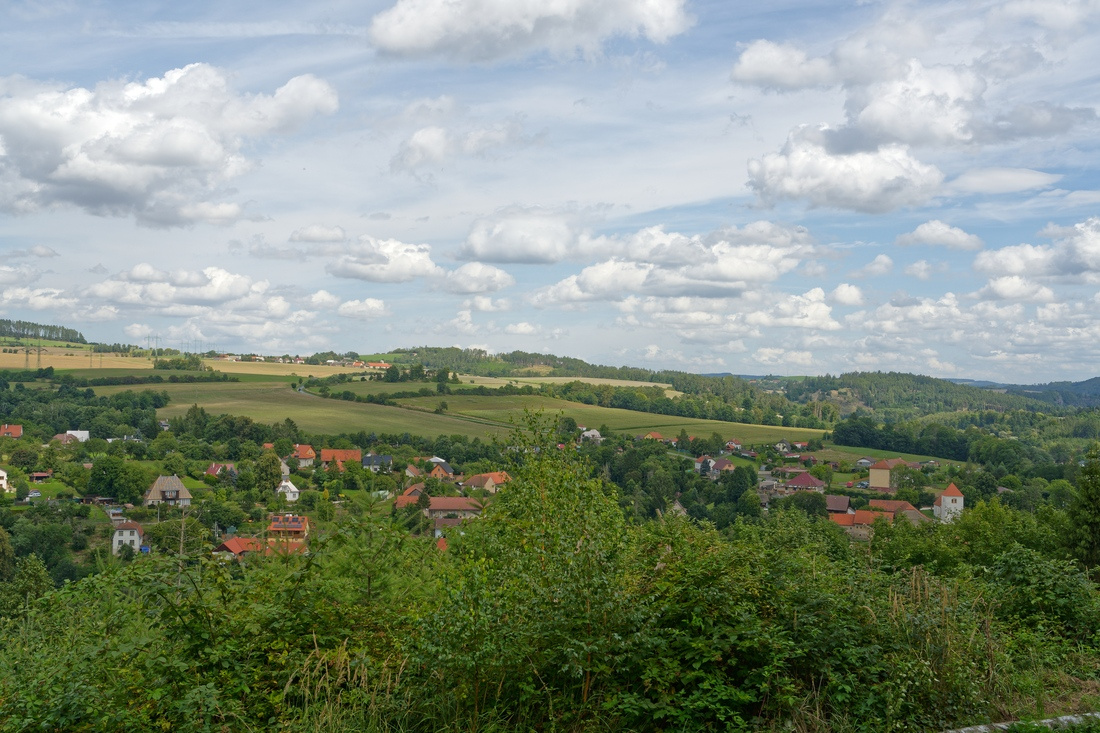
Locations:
553 613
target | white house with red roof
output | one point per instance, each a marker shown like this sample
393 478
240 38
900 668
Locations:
948 505
127 534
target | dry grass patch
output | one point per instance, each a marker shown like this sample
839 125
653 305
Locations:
75 358
275 369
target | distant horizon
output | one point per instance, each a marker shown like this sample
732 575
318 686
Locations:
678 184
745 376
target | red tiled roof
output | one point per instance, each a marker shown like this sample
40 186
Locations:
340 454
409 496
11 431
441 543
806 479
215 468
240 545
891 463
304 452
865 516
479 480
844 520
890 505
130 525
952 490
454 504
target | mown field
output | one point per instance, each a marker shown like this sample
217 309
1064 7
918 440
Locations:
274 369
265 394
500 409
76 357
270 399
273 400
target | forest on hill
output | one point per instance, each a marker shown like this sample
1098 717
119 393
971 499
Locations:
31 330
896 396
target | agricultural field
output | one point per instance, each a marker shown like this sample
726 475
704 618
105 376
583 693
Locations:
75 357
384 388
274 369
272 401
500 409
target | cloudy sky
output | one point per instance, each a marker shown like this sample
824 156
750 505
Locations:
812 187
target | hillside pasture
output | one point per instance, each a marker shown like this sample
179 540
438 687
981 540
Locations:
272 401
500 409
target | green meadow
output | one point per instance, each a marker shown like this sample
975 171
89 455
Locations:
501 409
270 399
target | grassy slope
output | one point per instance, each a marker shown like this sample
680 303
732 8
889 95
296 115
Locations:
501 408
273 400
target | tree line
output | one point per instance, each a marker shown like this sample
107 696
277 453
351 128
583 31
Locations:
31 330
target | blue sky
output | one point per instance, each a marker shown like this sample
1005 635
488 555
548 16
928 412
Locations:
810 188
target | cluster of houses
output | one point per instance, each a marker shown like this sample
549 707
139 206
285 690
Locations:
787 480
858 523
353 363
286 534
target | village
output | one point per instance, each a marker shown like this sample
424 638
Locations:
432 498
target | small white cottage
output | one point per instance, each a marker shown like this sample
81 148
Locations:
289 490
127 534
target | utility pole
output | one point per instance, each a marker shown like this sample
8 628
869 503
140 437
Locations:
183 516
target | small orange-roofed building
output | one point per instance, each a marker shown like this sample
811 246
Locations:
949 504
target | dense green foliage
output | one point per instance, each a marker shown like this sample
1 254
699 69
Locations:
189 362
46 412
560 609
894 396
30 330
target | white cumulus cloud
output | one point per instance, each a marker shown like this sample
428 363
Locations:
936 232
485 30
881 265
364 310
1014 287
1073 256
872 182
521 236
385 261
781 66
159 150
477 277
846 294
